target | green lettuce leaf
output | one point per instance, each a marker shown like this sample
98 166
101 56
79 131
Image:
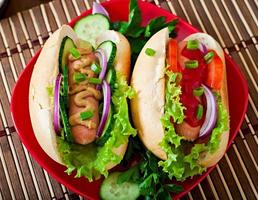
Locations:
91 160
179 164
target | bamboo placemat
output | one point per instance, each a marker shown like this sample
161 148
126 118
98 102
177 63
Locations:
232 22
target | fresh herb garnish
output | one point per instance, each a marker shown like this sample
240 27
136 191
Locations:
150 52
139 35
75 53
79 77
151 178
86 115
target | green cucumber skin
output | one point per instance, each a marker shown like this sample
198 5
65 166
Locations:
110 55
107 129
66 45
110 190
66 126
111 77
90 27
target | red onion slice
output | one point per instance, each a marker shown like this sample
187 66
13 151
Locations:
203 48
101 55
106 107
98 8
211 113
57 126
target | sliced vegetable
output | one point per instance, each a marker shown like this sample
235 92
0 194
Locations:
75 53
90 27
65 122
65 87
111 190
101 55
203 48
110 49
84 44
111 77
150 52
106 133
98 8
191 64
211 113
208 57
95 68
198 91
79 77
95 81
199 112
192 44
57 125
86 115
215 73
173 56
106 107
66 45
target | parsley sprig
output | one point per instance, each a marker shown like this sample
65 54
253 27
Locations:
153 182
139 35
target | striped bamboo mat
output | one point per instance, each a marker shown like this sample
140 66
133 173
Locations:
232 22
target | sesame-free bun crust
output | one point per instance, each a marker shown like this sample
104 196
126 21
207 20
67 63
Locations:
44 74
148 80
147 107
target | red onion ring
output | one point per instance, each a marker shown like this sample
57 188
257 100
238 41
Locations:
203 48
106 107
211 113
101 55
57 126
98 8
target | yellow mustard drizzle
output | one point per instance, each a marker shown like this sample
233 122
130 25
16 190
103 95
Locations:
82 91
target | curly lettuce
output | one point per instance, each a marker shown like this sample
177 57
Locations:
91 160
179 164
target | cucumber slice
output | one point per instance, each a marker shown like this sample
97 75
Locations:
84 44
90 27
110 190
109 48
107 129
64 118
65 86
111 77
64 51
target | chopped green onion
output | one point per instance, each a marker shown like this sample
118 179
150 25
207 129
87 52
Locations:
191 64
208 57
150 52
94 80
198 91
75 53
79 77
95 68
50 91
192 44
86 115
199 112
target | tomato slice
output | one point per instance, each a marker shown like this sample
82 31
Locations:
215 73
173 56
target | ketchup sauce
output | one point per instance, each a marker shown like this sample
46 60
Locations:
192 79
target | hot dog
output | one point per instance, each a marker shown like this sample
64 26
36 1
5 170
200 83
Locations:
181 105
76 94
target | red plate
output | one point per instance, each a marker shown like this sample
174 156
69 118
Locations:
237 88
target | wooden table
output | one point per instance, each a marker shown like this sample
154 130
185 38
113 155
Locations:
232 22
15 6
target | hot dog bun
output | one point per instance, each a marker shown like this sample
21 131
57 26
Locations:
44 74
148 79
